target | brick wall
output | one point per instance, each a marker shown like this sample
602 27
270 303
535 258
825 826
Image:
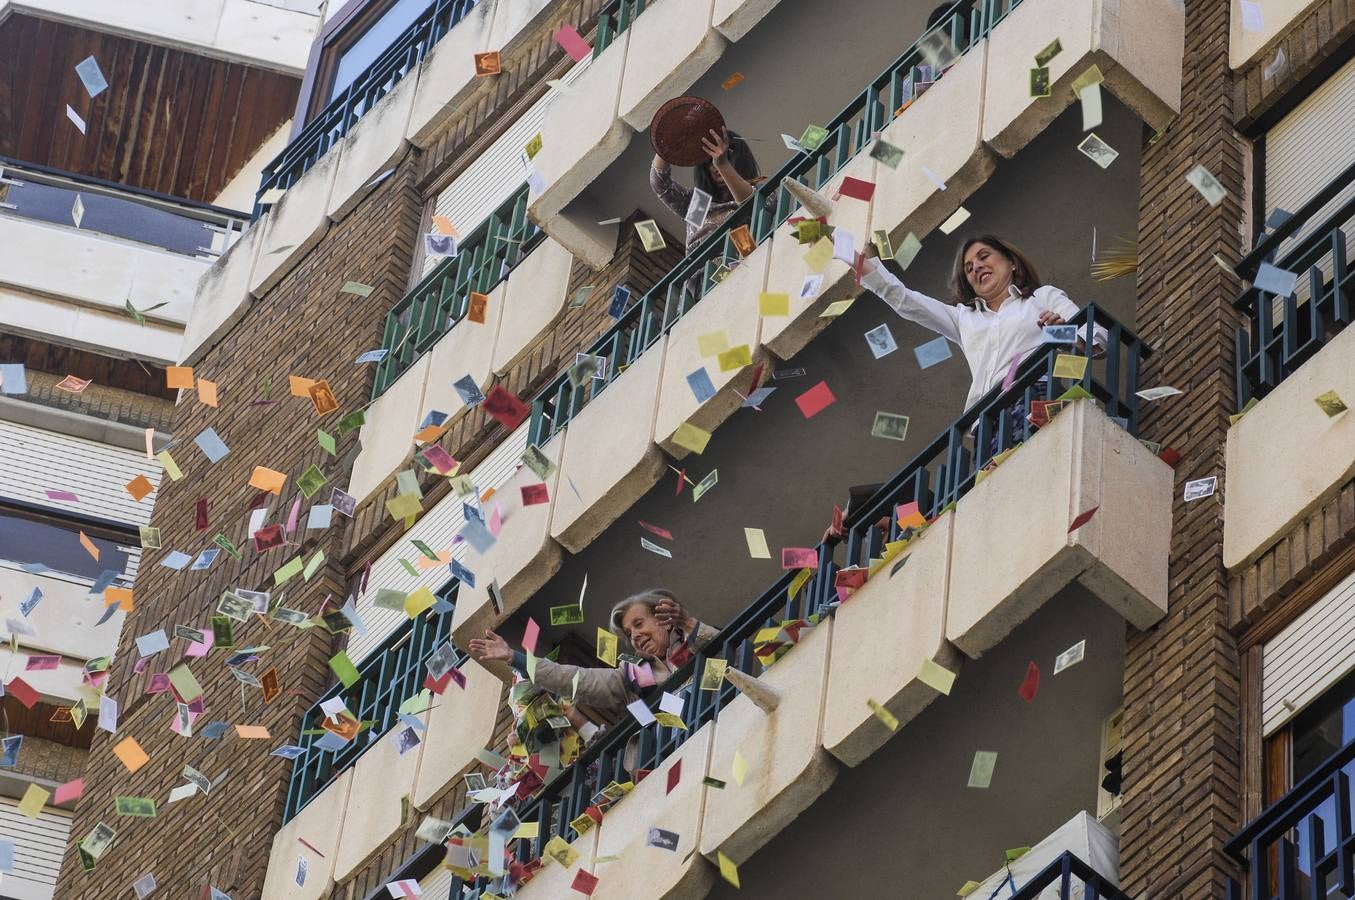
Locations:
1314 40
1181 731
306 327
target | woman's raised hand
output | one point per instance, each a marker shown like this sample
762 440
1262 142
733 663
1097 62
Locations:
491 648
716 144
670 614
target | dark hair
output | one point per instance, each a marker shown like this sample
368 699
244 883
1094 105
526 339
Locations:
1024 275
744 163
938 15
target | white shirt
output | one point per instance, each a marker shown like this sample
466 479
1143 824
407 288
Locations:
989 340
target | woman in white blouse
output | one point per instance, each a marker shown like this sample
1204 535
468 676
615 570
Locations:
999 311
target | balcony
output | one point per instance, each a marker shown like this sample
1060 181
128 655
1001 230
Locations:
74 279
340 799
1301 845
1292 350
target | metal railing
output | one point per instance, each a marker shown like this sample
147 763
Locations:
651 316
1075 879
613 19
484 258
44 194
1277 340
1315 814
390 675
353 102
939 475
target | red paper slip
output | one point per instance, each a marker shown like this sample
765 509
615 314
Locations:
815 400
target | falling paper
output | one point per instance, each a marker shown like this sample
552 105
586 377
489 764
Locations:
1070 657
1201 488
958 218
934 351
1208 186
981 771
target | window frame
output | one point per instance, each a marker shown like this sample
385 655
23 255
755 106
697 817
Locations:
335 38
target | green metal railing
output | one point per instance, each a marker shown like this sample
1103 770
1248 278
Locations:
850 132
484 259
615 18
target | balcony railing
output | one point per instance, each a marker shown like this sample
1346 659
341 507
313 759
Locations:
1304 845
392 673
950 463
367 89
1074 879
652 315
615 18
1276 341
43 194
484 259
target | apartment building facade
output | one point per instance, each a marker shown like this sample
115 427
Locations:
126 132
998 660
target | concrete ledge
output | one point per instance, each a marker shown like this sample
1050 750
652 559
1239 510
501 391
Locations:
735 18
1245 47
787 768
788 335
388 435
320 823
522 560
373 146
610 454
514 21
534 300
941 131
580 137
671 46
222 295
460 723
881 636
447 75
553 880
294 225
651 872
731 307
1138 46
466 349
1268 488
381 776
1012 551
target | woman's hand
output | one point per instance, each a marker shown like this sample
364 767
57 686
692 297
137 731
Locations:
716 145
491 648
670 614
1049 317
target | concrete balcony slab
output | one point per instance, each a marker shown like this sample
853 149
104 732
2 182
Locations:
735 18
447 75
381 776
671 45
610 456
1267 490
460 723
294 224
534 301
787 767
644 871
320 823
787 335
222 295
374 145
388 435
732 307
1012 550
554 880
522 560
466 349
881 637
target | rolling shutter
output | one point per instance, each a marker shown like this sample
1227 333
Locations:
437 528
1312 654
497 173
1309 147
437 885
38 845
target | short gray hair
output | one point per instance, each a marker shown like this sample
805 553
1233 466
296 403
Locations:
649 598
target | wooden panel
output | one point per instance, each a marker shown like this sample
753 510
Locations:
170 121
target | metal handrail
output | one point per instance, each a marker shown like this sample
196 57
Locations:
354 101
1068 871
1114 385
1271 347
389 675
1266 839
432 307
682 287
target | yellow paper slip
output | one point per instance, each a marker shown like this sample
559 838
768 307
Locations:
818 255
735 358
712 343
689 437
418 601
773 304
171 467
1069 365
757 543
607 647
739 768
35 798
884 715
936 676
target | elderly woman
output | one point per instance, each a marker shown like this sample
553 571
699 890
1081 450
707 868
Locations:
998 313
655 625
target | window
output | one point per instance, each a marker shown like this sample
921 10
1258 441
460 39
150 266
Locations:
371 41
57 546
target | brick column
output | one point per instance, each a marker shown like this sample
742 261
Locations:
1181 732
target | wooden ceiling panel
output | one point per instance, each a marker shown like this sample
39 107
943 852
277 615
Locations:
170 121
